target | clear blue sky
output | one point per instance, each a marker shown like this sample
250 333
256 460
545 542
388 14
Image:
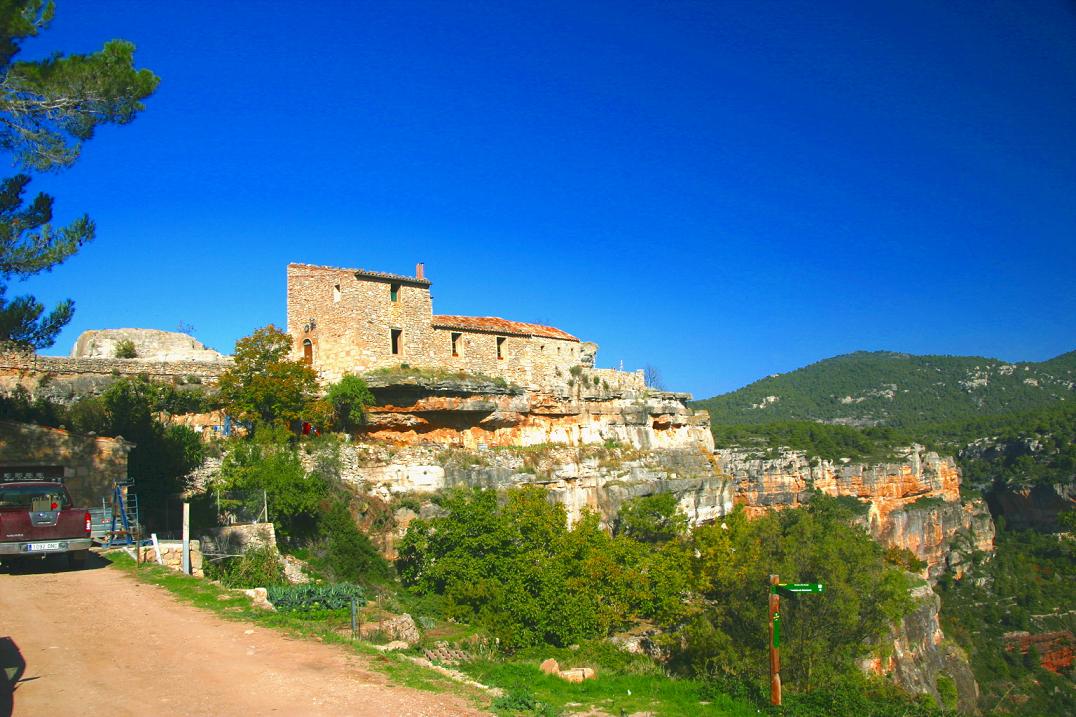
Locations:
723 190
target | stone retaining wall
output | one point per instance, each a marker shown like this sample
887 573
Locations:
172 555
35 363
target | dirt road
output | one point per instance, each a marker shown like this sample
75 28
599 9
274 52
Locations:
95 641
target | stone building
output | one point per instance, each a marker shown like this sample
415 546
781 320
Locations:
353 320
88 464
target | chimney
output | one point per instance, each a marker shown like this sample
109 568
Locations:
420 270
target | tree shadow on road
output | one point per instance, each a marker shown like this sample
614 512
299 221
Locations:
12 668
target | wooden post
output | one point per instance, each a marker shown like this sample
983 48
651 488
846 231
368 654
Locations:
775 656
186 538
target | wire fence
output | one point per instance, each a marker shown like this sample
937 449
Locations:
242 506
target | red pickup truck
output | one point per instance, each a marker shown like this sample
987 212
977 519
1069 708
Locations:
38 519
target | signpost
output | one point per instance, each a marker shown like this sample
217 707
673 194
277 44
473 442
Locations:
776 588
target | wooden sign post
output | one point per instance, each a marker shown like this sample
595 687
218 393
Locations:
777 587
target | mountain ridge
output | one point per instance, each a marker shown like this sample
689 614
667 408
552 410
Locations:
900 390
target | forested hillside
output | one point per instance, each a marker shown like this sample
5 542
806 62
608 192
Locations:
897 390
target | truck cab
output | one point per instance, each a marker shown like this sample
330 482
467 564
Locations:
39 519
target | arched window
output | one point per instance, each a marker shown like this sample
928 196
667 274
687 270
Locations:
308 352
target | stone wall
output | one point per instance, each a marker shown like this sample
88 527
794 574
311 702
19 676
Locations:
14 361
90 464
238 539
172 555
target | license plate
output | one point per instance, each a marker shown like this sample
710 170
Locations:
35 547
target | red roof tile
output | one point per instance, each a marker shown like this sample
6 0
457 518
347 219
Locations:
494 325
370 274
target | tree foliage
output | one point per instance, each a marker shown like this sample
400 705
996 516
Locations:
47 109
521 572
1026 586
264 386
651 519
348 400
823 635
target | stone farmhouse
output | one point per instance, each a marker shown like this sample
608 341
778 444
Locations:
353 320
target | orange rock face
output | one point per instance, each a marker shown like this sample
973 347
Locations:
1055 648
467 415
914 504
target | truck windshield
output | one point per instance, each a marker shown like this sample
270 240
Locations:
35 497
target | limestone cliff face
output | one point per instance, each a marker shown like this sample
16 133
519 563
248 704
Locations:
913 504
149 344
474 413
595 478
917 654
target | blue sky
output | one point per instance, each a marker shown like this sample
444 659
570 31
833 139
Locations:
723 190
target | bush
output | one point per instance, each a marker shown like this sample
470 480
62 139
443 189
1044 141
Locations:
347 553
258 567
348 399
126 350
522 700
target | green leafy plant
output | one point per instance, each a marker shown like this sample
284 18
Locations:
311 597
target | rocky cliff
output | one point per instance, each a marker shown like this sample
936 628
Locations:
913 504
475 412
917 657
599 478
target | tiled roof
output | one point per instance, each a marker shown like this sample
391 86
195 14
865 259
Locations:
368 274
494 325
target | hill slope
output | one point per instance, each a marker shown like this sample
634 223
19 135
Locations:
898 390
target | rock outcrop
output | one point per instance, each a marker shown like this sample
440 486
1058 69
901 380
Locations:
149 345
913 504
917 656
1055 648
472 412
599 478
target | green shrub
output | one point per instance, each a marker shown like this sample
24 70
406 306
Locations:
947 692
258 567
347 553
522 701
126 350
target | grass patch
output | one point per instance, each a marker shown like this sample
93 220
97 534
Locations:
626 684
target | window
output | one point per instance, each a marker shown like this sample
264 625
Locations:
336 293
394 292
456 343
308 352
500 348
396 334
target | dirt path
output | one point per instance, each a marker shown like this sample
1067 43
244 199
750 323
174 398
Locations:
96 641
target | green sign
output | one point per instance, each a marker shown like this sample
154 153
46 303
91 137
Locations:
798 588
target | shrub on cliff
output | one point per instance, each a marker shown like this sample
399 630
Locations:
126 350
348 399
